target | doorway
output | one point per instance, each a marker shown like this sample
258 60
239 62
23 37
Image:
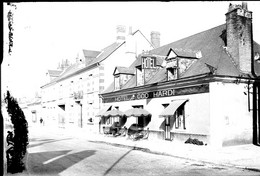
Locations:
167 128
256 114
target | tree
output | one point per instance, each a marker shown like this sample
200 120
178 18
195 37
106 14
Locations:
19 137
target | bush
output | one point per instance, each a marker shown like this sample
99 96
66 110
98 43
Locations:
19 140
193 141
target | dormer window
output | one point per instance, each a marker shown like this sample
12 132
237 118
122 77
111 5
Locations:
172 73
139 76
172 69
117 82
121 76
178 61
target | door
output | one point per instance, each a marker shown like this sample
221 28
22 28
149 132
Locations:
256 114
167 128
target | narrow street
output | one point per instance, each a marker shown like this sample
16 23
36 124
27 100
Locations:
55 153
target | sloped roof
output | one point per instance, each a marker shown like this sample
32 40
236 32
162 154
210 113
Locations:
70 70
186 53
124 70
209 43
99 57
91 53
54 73
106 52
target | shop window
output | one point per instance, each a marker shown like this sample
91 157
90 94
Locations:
138 106
180 118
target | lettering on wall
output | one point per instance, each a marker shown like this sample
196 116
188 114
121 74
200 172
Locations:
158 94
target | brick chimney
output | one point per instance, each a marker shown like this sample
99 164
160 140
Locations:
155 39
239 36
120 33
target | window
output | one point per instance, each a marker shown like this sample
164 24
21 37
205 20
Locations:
140 76
180 118
117 83
172 73
138 106
165 105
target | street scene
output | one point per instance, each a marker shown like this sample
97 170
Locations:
131 88
55 152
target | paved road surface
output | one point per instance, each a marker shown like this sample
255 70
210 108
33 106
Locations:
60 154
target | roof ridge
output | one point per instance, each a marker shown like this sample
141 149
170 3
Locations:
191 36
144 37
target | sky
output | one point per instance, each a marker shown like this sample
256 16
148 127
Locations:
47 32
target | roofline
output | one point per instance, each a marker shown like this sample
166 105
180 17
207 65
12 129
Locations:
202 79
113 51
83 69
79 71
144 37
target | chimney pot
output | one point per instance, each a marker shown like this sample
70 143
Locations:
155 39
120 33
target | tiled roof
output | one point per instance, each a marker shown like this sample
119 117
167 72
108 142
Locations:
186 53
90 53
125 70
100 56
106 52
54 72
209 44
70 70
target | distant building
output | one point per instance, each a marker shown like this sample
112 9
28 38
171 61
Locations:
205 86
71 98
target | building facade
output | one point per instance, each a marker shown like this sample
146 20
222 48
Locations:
204 86
71 97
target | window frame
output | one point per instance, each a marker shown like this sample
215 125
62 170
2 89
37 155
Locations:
180 123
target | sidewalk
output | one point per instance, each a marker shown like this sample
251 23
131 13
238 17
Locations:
242 156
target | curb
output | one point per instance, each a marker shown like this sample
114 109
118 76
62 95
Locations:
147 150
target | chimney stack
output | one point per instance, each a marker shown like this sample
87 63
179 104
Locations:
239 36
120 33
155 39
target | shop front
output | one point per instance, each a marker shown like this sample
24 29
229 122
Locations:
177 113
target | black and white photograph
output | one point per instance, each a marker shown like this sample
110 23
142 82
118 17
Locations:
131 88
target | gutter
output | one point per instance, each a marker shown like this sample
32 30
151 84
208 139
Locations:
183 82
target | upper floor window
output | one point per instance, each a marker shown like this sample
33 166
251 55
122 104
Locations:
172 73
117 82
139 76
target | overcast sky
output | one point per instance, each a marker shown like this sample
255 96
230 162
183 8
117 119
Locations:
47 32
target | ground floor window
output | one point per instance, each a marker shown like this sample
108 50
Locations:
180 118
138 106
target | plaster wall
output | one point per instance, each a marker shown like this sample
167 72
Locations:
230 118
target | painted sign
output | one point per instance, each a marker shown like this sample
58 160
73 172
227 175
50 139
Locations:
158 94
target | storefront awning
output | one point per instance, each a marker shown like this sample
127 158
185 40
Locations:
103 110
170 110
